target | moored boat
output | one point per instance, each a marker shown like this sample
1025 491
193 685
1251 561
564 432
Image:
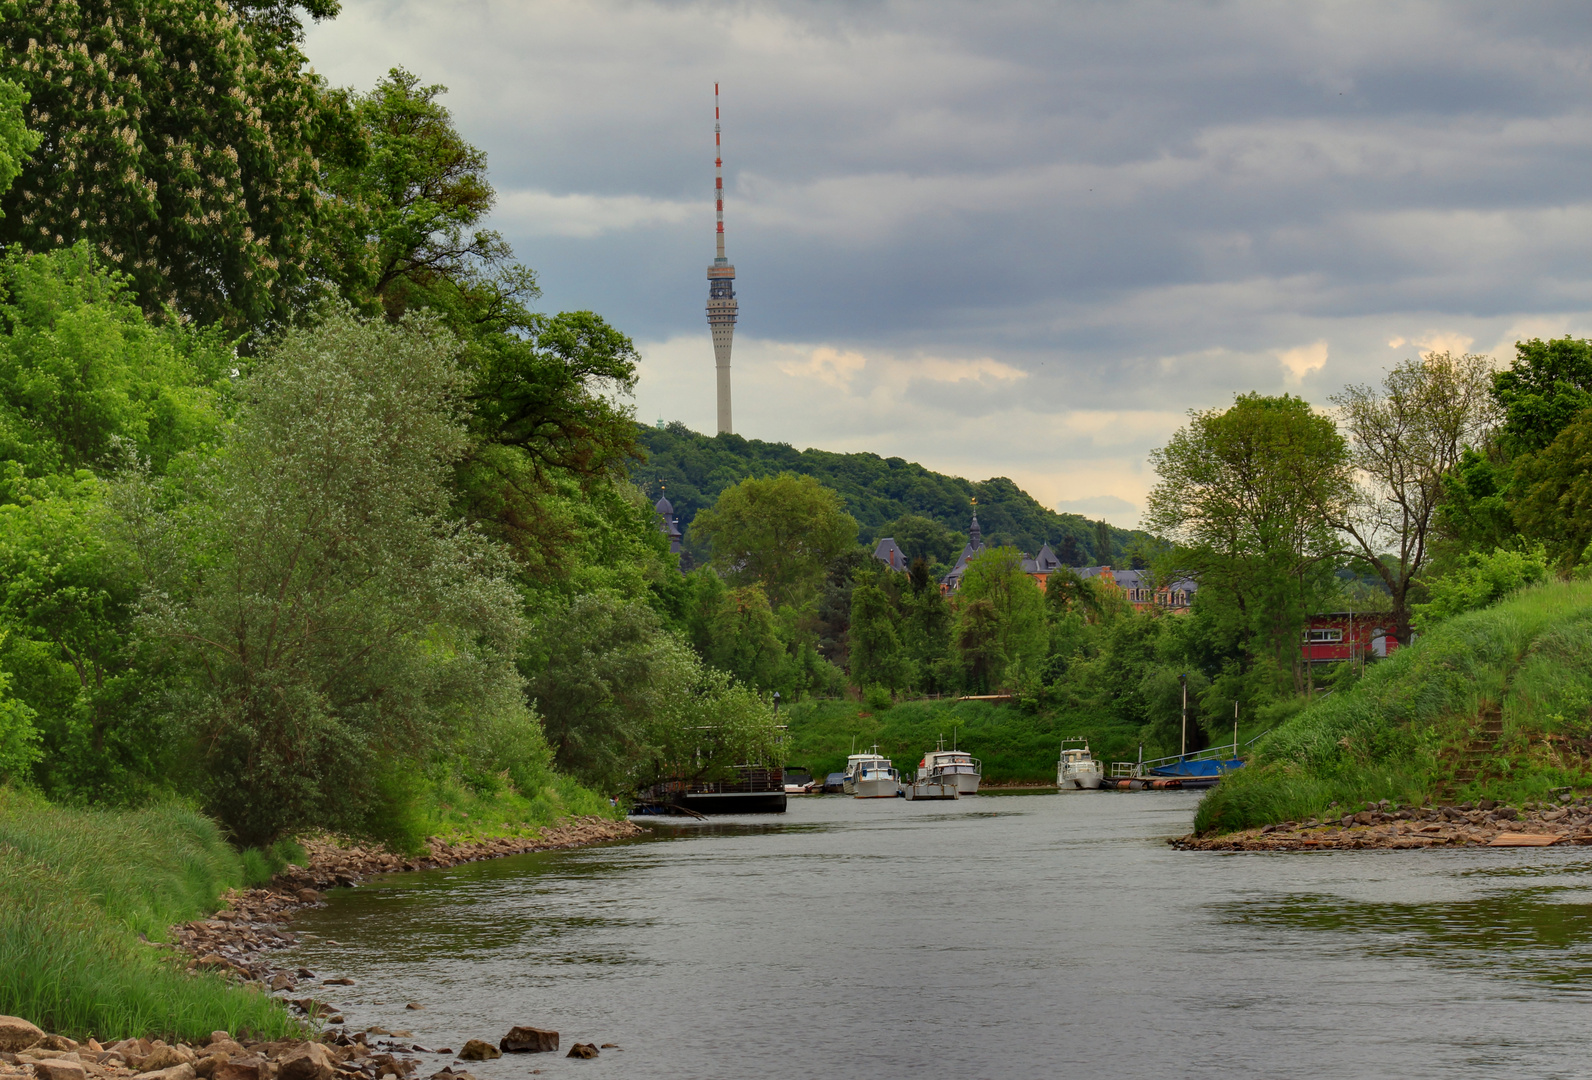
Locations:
934 785
854 766
876 778
1077 770
954 766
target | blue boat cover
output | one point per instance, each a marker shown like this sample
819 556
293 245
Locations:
1209 767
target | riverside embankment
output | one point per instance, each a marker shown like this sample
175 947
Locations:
1383 826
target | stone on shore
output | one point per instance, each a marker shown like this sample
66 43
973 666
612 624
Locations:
311 1061
165 1057
529 1040
583 1050
184 1071
62 1068
476 1050
17 1034
237 1070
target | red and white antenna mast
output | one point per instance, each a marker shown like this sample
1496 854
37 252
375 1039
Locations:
722 305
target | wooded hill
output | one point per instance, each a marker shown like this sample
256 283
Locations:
694 468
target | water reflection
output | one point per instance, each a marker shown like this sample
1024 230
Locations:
1014 938
1543 933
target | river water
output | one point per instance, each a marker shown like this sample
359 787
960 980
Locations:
997 936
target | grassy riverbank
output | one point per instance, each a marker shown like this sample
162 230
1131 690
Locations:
1504 692
78 887
1016 745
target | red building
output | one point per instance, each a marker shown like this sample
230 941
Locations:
1335 636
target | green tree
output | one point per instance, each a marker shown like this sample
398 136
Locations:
1553 489
335 627
601 673
1000 619
85 379
1249 492
180 141
1407 436
781 531
1546 386
16 141
921 537
414 200
874 647
734 630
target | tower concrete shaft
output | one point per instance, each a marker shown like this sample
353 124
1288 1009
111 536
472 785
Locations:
722 307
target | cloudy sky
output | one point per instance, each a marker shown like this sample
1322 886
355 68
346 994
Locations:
1024 239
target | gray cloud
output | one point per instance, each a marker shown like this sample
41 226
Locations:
1143 207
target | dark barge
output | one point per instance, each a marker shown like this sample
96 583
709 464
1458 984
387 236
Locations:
753 790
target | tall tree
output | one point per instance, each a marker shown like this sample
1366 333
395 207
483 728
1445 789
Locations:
180 140
336 626
1000 619
782 531
1408 435
1246 491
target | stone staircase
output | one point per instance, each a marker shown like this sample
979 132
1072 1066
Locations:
1471 761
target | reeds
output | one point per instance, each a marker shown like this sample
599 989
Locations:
79 887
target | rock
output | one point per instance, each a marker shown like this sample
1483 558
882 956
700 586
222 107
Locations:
305 973
335 1018
1505 813
344 981
1366 817
311 1061
476 1050
529 1040
17 1034
57 1069
55 1042
207 1065
176 1072
166 1057
610 1046
414 1005
1488 804
237 1070
308 896
449 1074
1346 820
582 1050
283 982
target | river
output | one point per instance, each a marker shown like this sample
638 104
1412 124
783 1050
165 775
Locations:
996 936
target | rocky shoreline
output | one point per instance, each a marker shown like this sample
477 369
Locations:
1483 824
237 941
239 938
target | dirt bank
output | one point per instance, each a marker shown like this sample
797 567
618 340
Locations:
1474 825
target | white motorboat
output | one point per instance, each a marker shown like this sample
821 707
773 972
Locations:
876 779
1077 770
956 766
856 763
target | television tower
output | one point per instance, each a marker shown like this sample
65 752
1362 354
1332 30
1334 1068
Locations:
721 285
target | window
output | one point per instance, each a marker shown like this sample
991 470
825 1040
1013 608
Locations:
1320 636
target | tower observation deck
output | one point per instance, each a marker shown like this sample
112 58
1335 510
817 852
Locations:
722 306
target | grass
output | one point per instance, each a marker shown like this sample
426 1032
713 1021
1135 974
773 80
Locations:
77 887
460 812
1400 733
1015 744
